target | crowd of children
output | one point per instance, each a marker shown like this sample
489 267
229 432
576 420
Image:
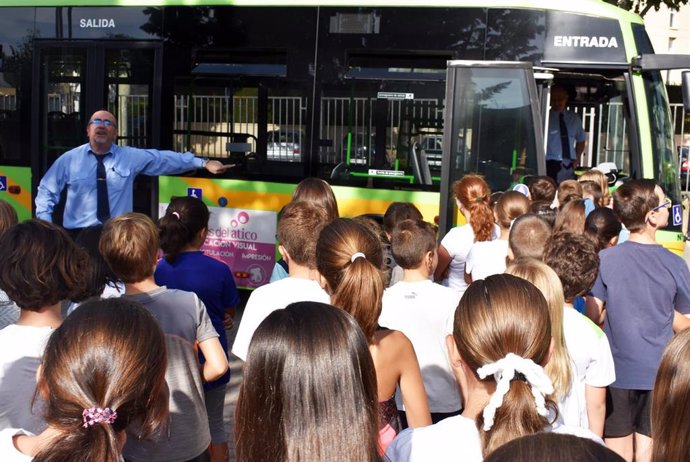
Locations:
531 331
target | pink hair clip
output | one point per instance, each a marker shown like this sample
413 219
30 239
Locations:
95 415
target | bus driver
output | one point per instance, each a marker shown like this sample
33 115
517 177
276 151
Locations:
565 133
99 175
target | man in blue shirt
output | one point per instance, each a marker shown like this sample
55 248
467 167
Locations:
99 175
566 138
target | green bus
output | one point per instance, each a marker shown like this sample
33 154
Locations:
388 100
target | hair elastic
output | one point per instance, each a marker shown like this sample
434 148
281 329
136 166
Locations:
95 415
177 215
506 369
357 255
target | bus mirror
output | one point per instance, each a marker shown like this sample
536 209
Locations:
686 90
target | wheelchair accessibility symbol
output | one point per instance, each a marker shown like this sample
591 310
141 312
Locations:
3 183
194 192
677 214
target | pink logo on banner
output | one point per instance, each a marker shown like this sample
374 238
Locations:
245 241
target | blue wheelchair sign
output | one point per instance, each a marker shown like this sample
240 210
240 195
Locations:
194 192
677 214
3 183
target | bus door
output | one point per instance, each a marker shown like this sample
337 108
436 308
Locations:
493 127
74 79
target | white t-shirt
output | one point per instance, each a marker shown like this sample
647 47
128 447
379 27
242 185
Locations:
452 439
21 348
592 364
486 258
421 310
8 453
269 298
458 243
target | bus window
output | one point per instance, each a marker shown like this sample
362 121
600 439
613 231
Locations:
663 157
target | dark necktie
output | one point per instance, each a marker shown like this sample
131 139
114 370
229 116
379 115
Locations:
565 142
103 205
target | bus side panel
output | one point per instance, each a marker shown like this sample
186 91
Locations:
244 216
15 188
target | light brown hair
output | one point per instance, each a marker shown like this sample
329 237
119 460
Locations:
600 179
298 229
528 236
107 353
593 189
632 201
318 192
568 188
510 206
309 376
411 241
474 193
546 280
355 284
671 402
129 244
571 217
41 265
499 315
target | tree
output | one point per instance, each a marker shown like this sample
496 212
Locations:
641 7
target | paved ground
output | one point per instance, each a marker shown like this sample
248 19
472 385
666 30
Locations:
233 388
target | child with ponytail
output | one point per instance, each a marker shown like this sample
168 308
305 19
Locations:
103 370
500 344
349 258
472 195
183 230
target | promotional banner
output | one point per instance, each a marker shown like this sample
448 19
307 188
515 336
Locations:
244 240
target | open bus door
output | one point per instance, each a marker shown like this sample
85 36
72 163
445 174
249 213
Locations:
493 127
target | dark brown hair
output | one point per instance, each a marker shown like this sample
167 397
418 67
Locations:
499 315
411 241
571 217
576 262
632 201
398 212
298 229
129 244
355 284
474 193
8 216
528 236
671 402
319 193
184 218
41 265
308 377
544 210
107 353
542 188
553 447
601 226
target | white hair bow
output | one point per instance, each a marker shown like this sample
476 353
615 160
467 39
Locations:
504 370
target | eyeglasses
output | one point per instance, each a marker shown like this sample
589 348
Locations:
666 204
105 122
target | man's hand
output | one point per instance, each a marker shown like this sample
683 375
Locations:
217 167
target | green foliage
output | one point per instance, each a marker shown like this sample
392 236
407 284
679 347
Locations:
641 7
